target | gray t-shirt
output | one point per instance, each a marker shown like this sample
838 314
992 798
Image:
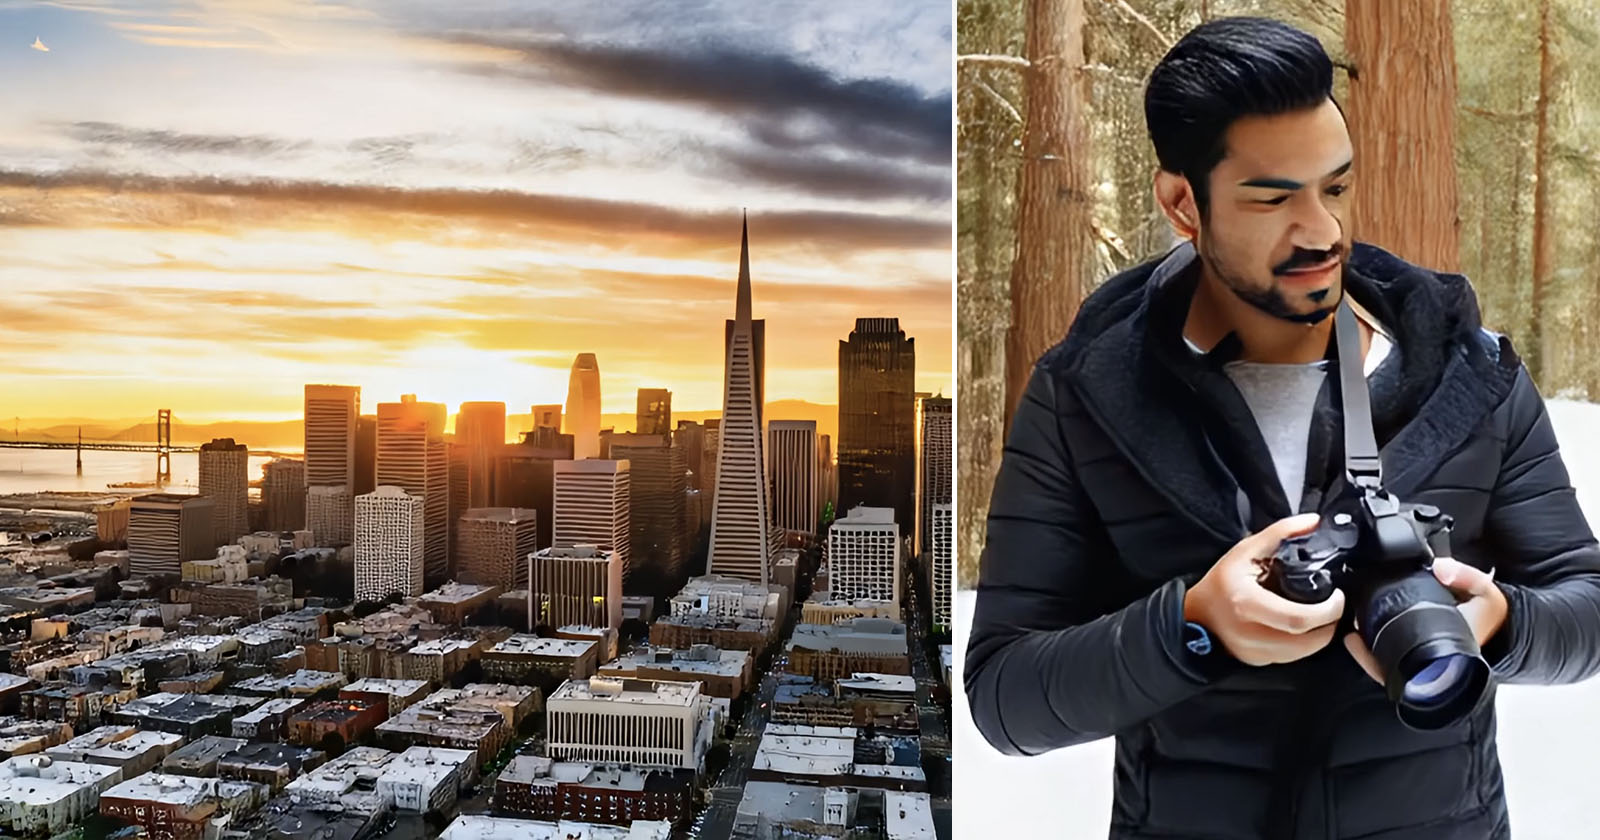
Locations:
1282 398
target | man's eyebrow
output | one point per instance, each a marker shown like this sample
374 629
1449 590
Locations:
1291 185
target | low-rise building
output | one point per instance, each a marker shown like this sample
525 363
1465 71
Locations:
439 660
729 597
540 661
456 603
274 765
417 780
189 715
778 809
128 749
42 796
643 722
334 724
76 705
537 788
394 694
823 608
606 639
864 645
199 758
879 701
25 736
721 673
684 631
448 720
481 827
268 721
838 756
303 683
172 807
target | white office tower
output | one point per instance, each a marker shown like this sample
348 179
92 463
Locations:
943 553
591 507
864 556
740 539
389 544
937 449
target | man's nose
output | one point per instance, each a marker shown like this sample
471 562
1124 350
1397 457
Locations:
1316 229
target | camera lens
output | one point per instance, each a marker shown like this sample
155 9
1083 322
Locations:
1433 670
1438 682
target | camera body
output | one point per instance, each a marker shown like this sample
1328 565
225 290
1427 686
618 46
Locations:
1380 551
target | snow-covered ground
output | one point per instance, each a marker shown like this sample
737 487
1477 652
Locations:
1549 735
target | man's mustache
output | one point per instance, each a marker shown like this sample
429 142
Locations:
1302 258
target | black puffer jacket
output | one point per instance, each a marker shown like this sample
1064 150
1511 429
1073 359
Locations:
1133 465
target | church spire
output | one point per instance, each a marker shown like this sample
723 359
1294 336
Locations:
741 311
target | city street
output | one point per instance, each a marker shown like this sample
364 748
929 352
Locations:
728 788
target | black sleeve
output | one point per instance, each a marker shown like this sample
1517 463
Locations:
1049 664
1545 556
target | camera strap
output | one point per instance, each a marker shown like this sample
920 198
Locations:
1361 459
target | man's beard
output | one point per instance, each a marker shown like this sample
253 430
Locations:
1270 300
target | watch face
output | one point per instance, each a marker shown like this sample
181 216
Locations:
1196 639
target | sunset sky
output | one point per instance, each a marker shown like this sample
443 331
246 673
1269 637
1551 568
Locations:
205 205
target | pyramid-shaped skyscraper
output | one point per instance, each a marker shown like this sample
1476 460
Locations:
740 540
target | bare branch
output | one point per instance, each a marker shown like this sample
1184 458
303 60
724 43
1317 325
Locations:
1001 100
1122 5
997 60
1110 237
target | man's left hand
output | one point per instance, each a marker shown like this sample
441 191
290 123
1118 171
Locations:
1481 603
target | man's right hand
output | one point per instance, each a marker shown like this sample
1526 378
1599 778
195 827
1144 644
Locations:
1255 625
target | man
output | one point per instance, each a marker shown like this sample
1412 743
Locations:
1187 425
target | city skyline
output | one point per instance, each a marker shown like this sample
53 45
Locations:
300 231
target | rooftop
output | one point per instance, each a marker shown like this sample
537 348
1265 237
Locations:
204 751
118 743
499 514
642 692
276 706
523 643
302 681
863 515
860 635
455 593
341 775
172 789
480 827
907 816
429 766
265 753
725 663
440 647
880 682
807 750
40 780
376 685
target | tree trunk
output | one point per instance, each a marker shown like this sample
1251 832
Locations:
1402 123
1533 354
1055 249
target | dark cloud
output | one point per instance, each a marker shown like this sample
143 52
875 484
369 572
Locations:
247 145
870 179
783 100
600 221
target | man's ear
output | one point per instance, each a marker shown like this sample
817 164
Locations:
1176 199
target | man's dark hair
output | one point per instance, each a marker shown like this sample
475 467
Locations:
1221 71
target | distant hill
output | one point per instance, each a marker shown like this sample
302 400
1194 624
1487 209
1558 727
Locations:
289 435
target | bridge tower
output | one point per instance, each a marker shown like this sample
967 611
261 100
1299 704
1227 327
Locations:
80 452
163 447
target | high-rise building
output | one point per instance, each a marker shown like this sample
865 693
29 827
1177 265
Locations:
591 507
657 544
690 437
225 479
712 441
525 476
547 416
331 425
456 497
654 414
583 406
366 454
758 353
389 543
830 483
580 585
942 534
792 459
481 430
937 450
330 514
412 456
864 556
494 546
166 530
877 431
740 539
283 491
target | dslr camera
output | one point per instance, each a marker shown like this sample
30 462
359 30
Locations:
1380 551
